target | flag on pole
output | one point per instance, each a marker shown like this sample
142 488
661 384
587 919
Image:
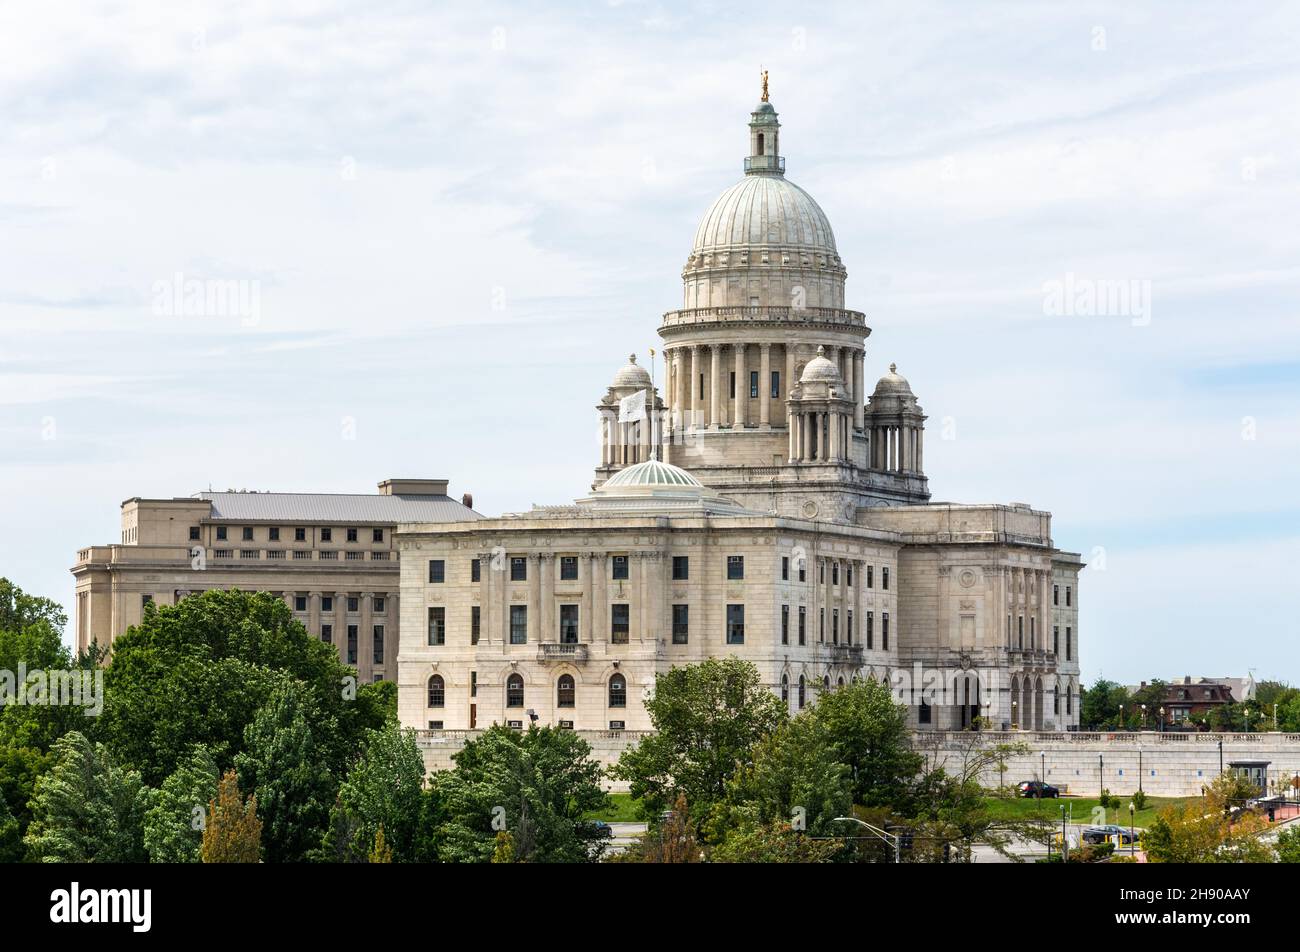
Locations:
632 408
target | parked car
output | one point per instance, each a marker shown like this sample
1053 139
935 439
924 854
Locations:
1107 834
1036 788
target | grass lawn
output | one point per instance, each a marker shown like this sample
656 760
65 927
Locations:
1078 808
622 809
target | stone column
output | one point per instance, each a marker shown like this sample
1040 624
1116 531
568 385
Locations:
641 587
694 385
715 393
485 628
858 385
600 598
586 575
789 381
740 417
534 598
765 386
366 640
341 624
547 621
313 614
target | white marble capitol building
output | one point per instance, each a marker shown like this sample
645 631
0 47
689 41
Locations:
766 506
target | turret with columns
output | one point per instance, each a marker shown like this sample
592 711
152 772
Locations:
624 442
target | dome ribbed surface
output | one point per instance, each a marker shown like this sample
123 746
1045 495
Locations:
765 210
652 472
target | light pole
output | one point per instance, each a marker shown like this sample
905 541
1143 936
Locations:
1144 717
1042 774
1275 717
1015 723
1132 829
1121 717
890 838
1162 719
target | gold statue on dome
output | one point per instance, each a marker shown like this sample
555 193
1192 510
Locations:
764 85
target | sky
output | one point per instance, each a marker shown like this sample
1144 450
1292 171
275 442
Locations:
444 227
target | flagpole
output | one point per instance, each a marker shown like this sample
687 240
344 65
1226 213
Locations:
654 410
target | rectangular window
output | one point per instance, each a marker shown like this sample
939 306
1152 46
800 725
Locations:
923 713
326 603
871 569
326 632
753 384
821 572
803 624
1067 596
620 567
352 644
835 573
194 533
300 535
785 624
377 535
378 640
735 624
735 567
474 616
884 578
884 631
785 568
803 570
871 630
1056 639
681 568
776 383
519 624
701 386
618 623
1056 594
473 684
835 626
274 533
221 533
474 571
378 603
848 629
146 600
1020 631
352 535
848 575
354 603
731 393
300 603
568 624
568 568
681 624
518 569
327 535
1069 649
821 626
248 533
437 625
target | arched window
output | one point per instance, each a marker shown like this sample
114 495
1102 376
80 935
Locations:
437 691
515 690
618 691
760 144
803 692
785 689
826 683
564 691
840 684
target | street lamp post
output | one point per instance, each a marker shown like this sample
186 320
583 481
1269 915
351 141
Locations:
892 839
1121 717
1144 717
1015 723
1132 829
1162 720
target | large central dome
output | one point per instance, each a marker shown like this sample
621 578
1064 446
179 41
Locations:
767 211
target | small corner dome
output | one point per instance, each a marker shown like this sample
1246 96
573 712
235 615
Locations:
651 473
821 370
893 382
633 375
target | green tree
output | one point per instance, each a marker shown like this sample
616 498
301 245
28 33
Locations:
793 776
233 833
540 783
283 764
1099 706
199 671
1288 845
87 809
866 730
173 825
20 768
18 610
383 788
707 718
776 843
11 835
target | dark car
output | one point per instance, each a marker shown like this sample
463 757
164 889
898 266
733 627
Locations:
1107 834
1036 788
